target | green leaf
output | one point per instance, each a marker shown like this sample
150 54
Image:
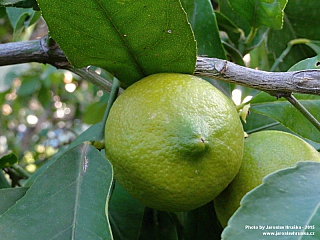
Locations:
95 111
304 18
20 4
66 202
300 21
202 223
9 196
130 39
234 17
315 45
257 122
309 63
125 214
8 160
260 12
288 197
259 58
313 225
203 21
228 26
240 34
158 225
282 111
3 181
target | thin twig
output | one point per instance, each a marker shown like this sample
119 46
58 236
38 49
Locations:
303 110
275 83
92 77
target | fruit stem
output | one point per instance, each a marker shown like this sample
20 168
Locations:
303 110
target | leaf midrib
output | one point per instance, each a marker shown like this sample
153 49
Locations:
78 190
135 60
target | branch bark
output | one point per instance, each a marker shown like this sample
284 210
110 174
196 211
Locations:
275 83
46 51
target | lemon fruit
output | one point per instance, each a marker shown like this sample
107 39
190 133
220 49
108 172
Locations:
264 153
174 140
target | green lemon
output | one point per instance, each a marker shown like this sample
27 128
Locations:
174 140
264 153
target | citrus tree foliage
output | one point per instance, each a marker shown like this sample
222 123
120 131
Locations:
55 181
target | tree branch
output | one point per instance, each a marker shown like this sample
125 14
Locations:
32 51
275 83
45 50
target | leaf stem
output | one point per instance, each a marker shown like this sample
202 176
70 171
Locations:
280 58
303 110
90 76
21 171
251 35
262 128
287 50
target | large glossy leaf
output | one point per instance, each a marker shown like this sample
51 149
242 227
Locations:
287 200
282 111
125 214
260 12
10 196
130 39
66 202
203 21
